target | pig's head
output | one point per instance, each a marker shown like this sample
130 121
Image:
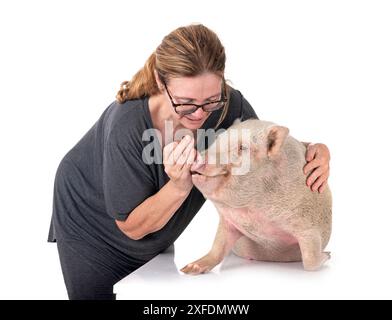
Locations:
234 166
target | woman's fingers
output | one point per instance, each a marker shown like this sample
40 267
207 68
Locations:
313 177
191 158
182 159
174 150
199 161
320 180
311 165
167 153
181 147
178 157
323 186
311 152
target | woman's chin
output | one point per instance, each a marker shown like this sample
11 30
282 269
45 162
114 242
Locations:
192 124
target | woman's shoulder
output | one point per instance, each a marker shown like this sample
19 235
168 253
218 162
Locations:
235 97
130 110
117 111
240 107
235 107
128 117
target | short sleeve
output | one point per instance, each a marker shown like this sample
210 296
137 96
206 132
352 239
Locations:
247 112
127 181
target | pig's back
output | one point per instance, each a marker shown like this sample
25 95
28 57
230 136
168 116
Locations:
294 207
312 210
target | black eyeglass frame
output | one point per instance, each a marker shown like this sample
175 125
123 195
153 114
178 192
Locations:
223 100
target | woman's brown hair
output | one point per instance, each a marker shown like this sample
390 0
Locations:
186 52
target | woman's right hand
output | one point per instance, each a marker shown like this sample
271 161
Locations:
178 158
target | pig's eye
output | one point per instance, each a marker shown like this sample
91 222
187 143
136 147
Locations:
243 147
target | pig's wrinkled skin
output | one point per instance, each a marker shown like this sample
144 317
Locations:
269 213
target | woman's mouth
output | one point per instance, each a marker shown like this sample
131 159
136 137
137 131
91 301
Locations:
194 120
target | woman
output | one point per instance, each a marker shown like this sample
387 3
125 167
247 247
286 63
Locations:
112 210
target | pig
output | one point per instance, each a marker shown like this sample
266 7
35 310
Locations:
266 213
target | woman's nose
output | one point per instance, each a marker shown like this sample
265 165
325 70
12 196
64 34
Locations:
199 113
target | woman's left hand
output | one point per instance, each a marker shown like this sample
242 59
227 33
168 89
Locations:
317 156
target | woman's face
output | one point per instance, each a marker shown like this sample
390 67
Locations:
198 90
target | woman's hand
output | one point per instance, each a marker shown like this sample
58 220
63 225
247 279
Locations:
178 158
317 156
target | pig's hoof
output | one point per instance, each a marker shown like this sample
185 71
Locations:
314 266
195 268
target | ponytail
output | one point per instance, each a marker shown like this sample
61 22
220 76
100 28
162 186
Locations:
142 84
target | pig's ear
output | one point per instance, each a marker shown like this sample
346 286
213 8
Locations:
276 135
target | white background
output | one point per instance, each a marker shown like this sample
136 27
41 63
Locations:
321 68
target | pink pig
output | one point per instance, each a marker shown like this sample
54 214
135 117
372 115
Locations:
267 212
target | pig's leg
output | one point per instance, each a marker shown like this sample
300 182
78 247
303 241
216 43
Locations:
267 250
225 238
311 248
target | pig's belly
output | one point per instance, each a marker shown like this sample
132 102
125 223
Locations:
258 228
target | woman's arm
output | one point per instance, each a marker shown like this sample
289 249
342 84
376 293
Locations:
154 212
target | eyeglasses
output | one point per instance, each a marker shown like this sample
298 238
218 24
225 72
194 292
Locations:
188 108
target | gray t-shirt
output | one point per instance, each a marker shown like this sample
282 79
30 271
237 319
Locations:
103 178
